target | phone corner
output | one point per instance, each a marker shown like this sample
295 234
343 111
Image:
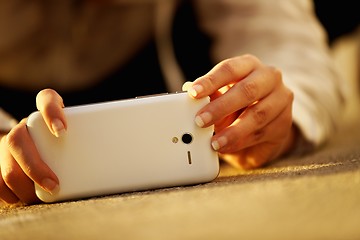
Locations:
32 118
214 172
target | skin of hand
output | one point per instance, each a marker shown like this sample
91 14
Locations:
20 163
250 108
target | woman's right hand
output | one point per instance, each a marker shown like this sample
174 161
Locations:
20 162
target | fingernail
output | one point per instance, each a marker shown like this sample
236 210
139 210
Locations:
186 86
219 143
50 186
195 90
58 127
203 119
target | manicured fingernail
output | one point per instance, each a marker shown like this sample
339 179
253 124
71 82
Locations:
186 86
195 90
58 127
50 186
203 119
219 143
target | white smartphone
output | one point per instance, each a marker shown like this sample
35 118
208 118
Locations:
127 145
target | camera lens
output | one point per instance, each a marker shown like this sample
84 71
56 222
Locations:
186 138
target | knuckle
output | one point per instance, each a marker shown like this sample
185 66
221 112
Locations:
258 135
208 82
290 96
250 90
251 58
276 72
227 67
259 115
9 176
14 137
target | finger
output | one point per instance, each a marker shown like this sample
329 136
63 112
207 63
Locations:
23 149
258 123
224 73
19 186
267 151
229 119
50 104
262 151
256 86
251 158
275 132
6 195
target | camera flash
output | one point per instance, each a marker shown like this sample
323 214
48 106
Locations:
175 139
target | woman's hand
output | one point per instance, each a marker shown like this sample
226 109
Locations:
20 162
251 109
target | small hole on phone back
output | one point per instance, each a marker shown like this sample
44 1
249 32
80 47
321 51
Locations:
187 138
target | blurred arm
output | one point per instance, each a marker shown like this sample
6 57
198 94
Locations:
287 35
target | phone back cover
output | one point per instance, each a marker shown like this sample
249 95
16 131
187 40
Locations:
127 145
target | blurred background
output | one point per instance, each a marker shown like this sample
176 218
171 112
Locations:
342 22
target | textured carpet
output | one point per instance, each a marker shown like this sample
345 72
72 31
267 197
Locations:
310 197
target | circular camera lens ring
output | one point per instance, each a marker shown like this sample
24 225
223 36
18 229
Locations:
187 138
